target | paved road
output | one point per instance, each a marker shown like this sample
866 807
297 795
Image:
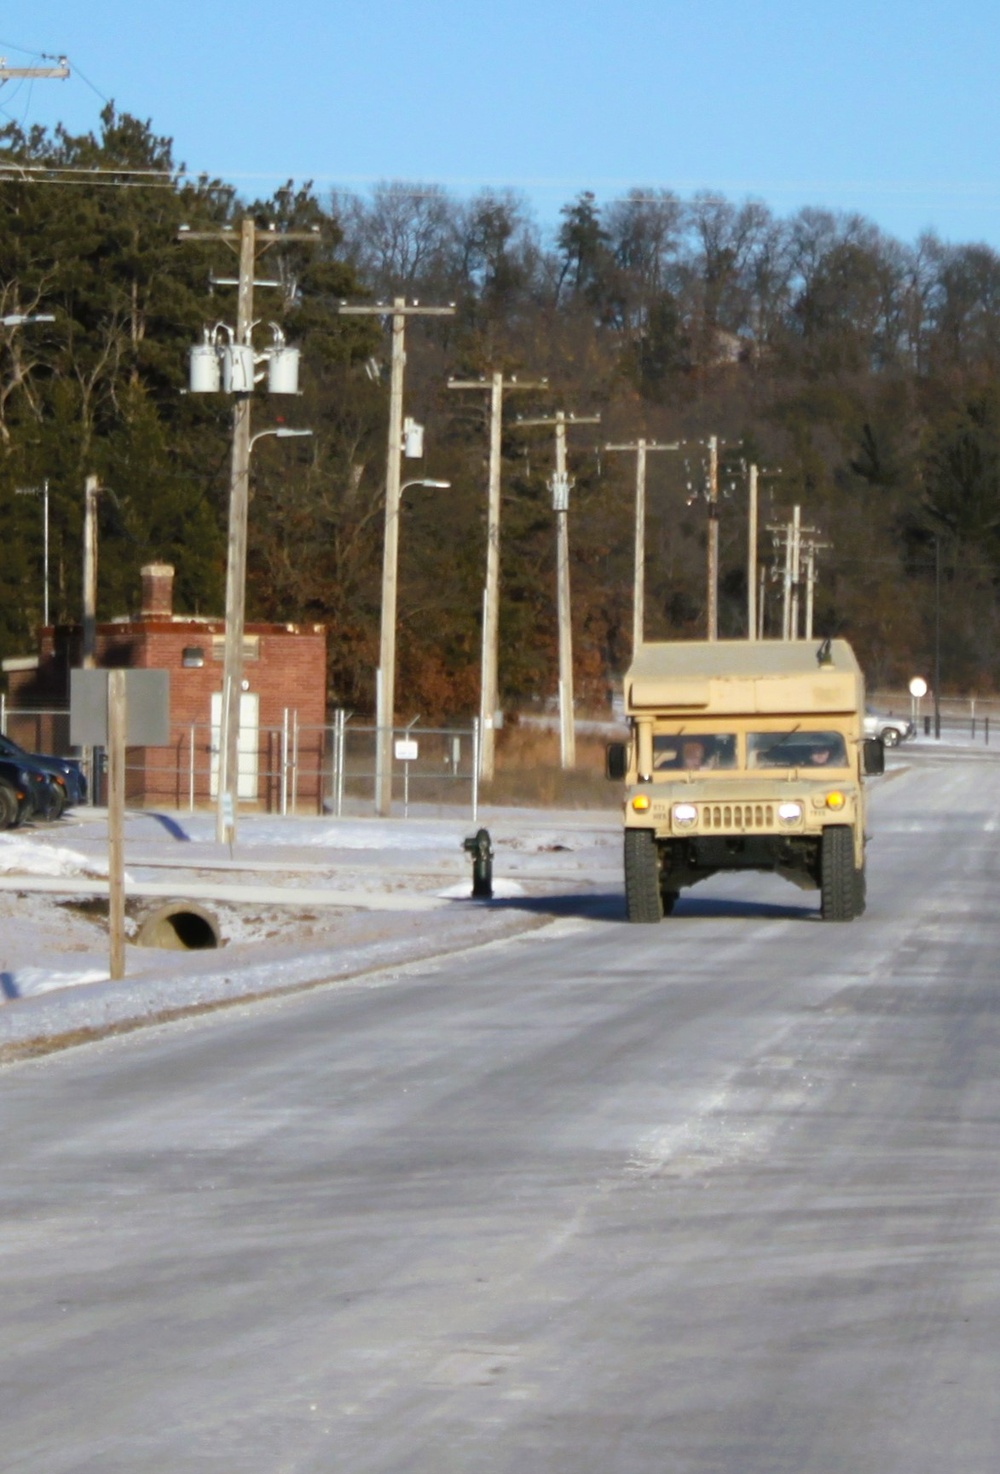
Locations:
718 1197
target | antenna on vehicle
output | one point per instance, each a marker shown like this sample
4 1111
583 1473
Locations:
823 656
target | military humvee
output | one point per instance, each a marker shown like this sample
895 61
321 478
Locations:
745 755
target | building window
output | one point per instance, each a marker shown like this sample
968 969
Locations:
193 656
251 647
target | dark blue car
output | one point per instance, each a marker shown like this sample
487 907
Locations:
71 780
19 789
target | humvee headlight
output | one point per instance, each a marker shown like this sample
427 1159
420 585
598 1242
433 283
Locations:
641 802
684 815
789 813
835 799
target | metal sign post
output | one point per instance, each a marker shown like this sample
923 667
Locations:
117 722
114 709
406 751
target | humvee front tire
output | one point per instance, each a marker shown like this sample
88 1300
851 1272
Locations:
838 887
643 901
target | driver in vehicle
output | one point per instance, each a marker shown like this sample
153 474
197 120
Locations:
693 754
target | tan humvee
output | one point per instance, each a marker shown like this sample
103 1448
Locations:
745 755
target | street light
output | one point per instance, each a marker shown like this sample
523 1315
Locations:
283 432
19 319
385 693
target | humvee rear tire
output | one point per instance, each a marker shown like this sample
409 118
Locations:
643 902
837 874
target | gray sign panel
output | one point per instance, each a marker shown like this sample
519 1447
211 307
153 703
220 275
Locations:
147 708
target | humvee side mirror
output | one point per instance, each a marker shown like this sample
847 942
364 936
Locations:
615 761
872 757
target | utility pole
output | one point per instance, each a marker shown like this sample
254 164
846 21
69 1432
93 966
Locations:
713 538
810 548
385 691
249 242
640 447
790 535
752 556
8 74
489 687
560 486
88 659
796 535
782 539
43 492
90 495
937 637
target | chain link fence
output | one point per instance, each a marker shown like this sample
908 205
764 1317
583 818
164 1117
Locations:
963 718
289 769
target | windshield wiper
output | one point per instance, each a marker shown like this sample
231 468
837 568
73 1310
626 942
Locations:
780 742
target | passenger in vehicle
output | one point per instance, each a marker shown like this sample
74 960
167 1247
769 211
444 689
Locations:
796 750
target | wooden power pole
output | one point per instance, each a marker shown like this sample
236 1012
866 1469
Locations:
89 623
489 689
385 691
712 604
249 242
59 72
560 486
752 556
641 448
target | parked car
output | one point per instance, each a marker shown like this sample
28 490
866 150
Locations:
18 788
891 729
74 782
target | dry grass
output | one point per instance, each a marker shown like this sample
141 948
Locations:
528 772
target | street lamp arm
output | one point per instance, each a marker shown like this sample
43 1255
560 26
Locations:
282 432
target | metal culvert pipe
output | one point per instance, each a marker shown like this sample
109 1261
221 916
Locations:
180 926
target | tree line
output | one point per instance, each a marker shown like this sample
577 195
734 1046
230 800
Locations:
860 373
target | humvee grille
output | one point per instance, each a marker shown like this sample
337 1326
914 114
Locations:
736 817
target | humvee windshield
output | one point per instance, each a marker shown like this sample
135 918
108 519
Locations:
796 749
695 751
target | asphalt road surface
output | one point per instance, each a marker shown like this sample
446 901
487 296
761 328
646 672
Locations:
718 1195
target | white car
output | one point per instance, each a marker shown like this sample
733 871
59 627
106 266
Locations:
892 730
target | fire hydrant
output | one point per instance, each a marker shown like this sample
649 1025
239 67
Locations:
479 847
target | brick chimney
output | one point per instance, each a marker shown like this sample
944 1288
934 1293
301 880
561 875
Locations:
157 591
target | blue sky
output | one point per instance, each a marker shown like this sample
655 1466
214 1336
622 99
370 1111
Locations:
883 107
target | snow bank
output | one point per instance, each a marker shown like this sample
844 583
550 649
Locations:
21 854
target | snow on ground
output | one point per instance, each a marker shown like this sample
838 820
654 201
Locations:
54 947
22 854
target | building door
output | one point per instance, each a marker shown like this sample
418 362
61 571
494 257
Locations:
246 787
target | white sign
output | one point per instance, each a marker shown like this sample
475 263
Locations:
406 750
918 687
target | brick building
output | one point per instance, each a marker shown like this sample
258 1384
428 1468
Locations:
283 707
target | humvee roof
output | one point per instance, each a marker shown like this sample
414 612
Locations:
744 676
